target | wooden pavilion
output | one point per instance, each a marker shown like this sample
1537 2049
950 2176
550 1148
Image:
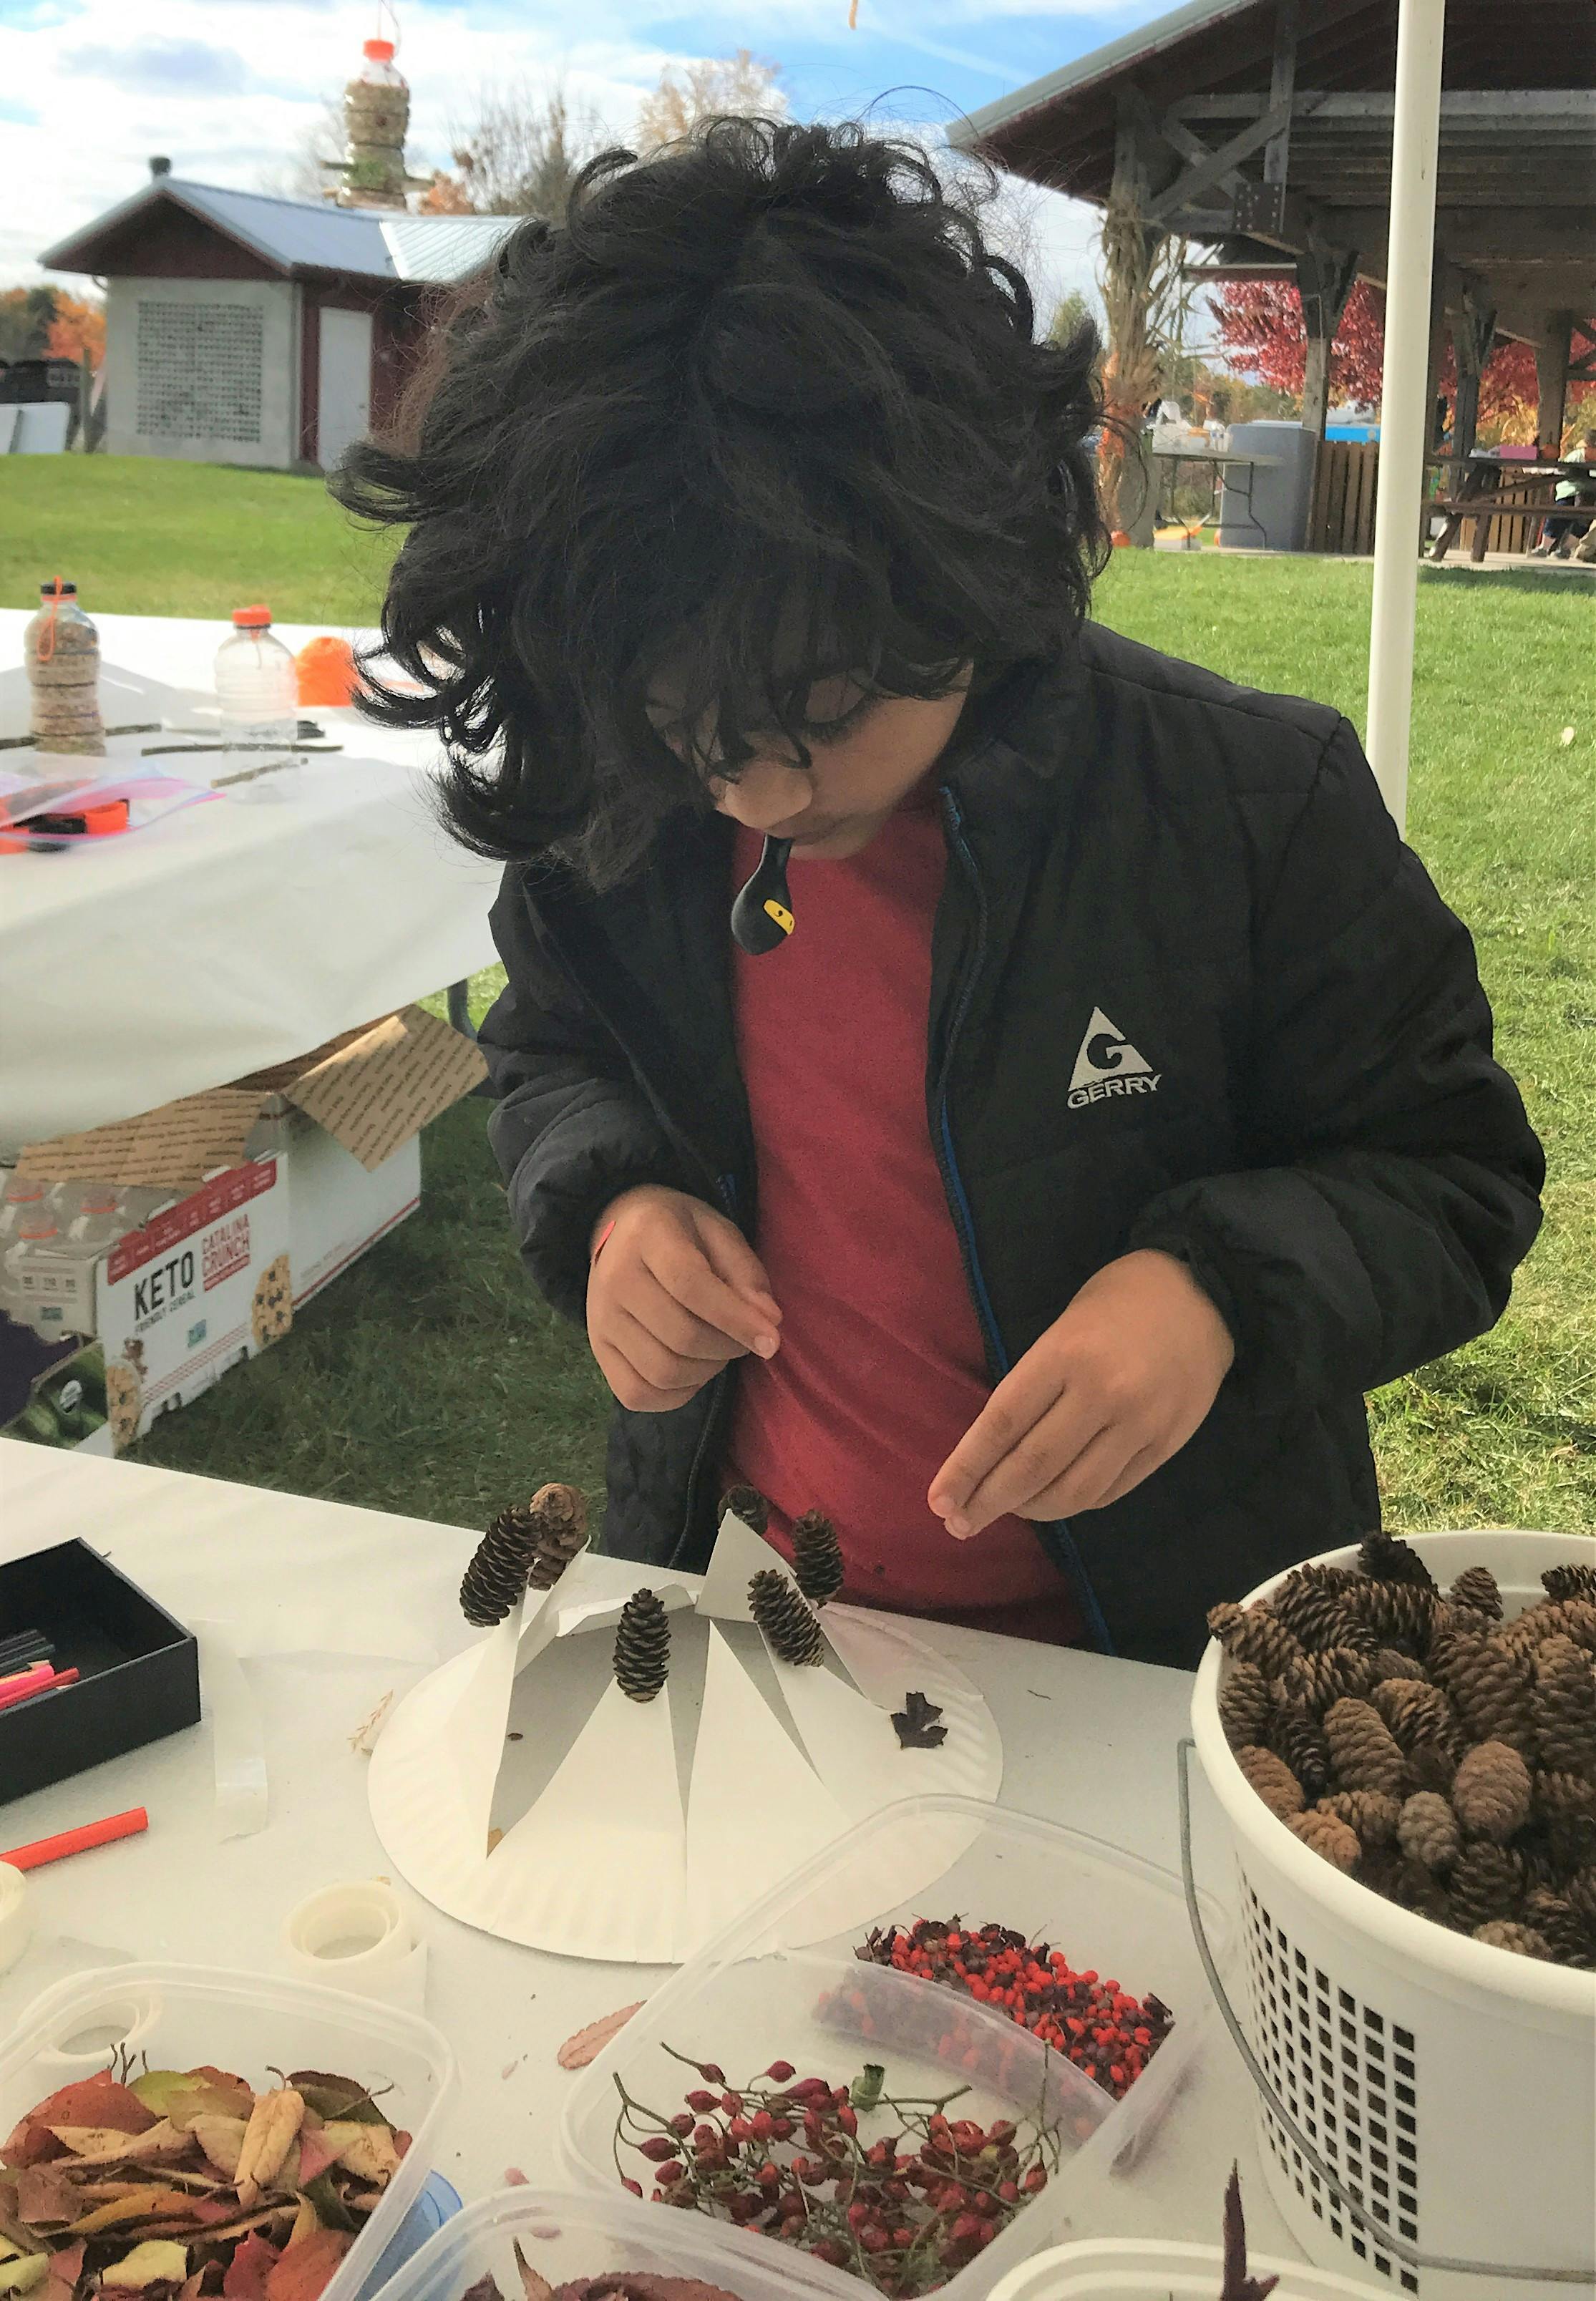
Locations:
1262 129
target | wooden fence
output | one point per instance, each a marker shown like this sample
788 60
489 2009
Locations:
1346 482
1345 478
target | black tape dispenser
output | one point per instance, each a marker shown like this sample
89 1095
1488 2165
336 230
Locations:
762 914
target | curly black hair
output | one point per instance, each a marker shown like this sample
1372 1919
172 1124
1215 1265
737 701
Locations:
764 410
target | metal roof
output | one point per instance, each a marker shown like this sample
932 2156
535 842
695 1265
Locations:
443 246
298 236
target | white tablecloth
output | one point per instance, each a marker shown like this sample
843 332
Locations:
334 1606
232 936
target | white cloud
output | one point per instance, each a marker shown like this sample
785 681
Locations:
227 88
227 92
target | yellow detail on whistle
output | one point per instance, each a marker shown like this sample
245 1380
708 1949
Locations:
782 915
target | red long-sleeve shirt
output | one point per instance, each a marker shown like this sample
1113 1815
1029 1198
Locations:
881 1369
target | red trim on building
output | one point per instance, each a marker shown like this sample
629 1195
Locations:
310 374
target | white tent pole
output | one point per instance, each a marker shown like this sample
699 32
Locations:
1404 395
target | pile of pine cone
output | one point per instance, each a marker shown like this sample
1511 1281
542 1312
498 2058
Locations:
1439 1755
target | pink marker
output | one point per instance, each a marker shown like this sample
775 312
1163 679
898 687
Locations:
25 1682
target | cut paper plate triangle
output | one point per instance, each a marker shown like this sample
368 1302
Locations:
852 1745
613 1807
474 1733
756 1807
872 1652
739 1554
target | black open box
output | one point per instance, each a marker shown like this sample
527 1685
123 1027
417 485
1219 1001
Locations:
138 1669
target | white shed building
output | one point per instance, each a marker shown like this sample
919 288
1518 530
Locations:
242 328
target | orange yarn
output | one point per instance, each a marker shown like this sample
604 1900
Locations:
327 672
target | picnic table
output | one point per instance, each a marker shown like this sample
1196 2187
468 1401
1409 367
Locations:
325 1609
1493 486
234 935
1219 463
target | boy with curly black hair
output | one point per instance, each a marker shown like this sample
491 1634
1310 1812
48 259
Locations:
1120 1107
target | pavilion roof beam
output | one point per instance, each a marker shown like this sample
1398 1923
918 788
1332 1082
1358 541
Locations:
1216 166
1526 110
1283 86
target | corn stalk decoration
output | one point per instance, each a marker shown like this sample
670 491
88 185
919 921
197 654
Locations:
1146 297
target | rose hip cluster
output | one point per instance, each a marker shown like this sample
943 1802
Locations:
1107 2032
904 2209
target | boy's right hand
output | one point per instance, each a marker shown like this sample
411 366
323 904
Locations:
675 1293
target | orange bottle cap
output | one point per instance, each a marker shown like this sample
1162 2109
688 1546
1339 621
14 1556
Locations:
380 51
252 619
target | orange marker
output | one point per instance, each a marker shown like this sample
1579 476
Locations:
78 1841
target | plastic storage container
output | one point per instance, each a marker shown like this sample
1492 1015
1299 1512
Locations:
1447 2087
749 1996
181 2015
435 2207
566 2236
1125 2269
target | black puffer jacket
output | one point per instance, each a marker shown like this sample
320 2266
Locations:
1189 990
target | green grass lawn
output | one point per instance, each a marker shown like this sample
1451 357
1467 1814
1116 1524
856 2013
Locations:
142 537
431 1380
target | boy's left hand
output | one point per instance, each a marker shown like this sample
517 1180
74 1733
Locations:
1113 1389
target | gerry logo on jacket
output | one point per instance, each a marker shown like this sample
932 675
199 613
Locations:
1109 1064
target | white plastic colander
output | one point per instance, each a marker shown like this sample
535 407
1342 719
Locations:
1427 2105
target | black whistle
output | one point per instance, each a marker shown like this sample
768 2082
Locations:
762 914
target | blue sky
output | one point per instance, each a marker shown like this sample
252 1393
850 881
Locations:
229 88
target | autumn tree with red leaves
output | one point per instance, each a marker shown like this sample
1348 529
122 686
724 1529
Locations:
1260 327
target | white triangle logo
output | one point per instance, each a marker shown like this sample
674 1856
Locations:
1106 1053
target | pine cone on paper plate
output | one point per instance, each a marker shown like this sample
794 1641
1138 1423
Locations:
1563 1706
1574 1580
642 1660
1273 1781
785 1618
1501 1933
1428 1830
816 1557
1476 1588
1254 1634
1362 1750
556 1521
1487 1882
1491 1792
530 1541
1387 1558
747 1503
1325 1835
1245 1704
